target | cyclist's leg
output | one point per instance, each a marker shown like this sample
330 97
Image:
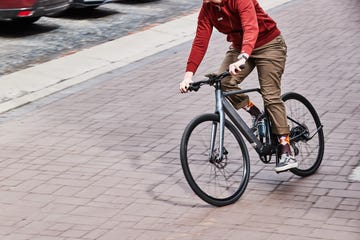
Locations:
231 83
270 62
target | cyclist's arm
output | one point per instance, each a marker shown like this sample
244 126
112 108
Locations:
200 43
198 49
250 27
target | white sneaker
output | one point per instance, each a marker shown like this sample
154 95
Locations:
285 163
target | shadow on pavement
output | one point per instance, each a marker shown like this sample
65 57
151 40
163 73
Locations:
86 13
175 201
10 29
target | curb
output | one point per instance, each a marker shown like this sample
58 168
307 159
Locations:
22 87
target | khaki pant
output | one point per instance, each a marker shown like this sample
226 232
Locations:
269 61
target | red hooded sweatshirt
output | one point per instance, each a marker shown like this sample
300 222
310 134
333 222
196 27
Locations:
244 22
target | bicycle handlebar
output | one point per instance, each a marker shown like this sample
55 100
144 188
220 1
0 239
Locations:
212 79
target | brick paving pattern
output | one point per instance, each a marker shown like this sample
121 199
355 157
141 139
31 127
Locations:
101 160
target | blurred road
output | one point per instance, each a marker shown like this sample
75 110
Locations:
76 29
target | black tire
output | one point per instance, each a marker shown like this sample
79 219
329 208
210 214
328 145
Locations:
217 183
25 20
304 123
92 7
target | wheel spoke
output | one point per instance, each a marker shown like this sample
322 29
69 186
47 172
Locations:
218 182
306 133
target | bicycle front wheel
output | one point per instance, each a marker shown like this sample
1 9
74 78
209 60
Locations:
306 134
217 181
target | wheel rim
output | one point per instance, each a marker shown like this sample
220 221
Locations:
215 179
305 135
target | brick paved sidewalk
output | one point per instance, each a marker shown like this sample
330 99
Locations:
101 160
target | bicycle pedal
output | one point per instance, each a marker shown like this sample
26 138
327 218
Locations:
267 159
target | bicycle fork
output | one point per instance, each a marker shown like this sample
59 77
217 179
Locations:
220 112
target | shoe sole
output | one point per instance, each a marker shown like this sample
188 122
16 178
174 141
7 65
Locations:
287 167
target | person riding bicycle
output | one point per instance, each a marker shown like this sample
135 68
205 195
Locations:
257 42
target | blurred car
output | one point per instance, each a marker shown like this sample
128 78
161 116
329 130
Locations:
29 11
88 3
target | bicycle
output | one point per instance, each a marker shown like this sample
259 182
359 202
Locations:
214 156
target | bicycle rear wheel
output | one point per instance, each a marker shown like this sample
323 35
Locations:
306 134
217 182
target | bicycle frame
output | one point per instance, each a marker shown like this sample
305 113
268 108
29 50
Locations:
223 106
221 176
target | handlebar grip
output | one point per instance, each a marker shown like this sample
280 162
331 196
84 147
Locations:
194 87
